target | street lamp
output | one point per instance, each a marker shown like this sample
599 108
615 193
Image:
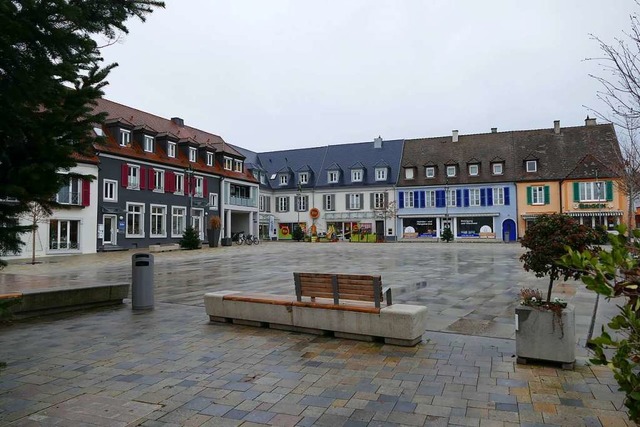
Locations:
299 202
189 176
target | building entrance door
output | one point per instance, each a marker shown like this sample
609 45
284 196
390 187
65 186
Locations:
110 223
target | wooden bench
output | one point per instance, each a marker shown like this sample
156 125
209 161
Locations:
345 305
351 287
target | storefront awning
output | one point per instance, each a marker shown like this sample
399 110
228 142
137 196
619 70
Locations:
600 213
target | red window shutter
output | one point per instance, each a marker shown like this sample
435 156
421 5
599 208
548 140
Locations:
152 179
205 192
124 178
143 178
169 182
86 192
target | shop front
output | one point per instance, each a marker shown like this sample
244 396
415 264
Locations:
419 228
345 230
285 229
481 227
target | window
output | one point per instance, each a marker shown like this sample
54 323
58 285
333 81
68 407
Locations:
125 137
430 172
158 180
474 197
537 195
592 192
379 201
408 199
240 192
302 203
237 165
474 170
430 198
64 234
158 221
263 178
133 180
284 179
381 174
408 173
148 143
209 159
532 165
193 154
451 198
135 220
355 201
179 188
178 220
265 203
198 191
356 175
109 190
71 192
498 196
213 201
329 202
497 168
283 204
333 177
451 171
303 178
228 163
171 149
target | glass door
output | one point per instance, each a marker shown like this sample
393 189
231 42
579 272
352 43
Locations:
110 223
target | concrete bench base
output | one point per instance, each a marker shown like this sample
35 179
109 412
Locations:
398 324
164 248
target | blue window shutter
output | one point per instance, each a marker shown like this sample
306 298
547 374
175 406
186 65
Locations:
421 193
416 199
489 196
466 197
439 198
458 198
483 197
506 196
401 201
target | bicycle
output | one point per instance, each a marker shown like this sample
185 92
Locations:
251 239
239 238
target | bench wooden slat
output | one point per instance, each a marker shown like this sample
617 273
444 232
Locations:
354 287
328 305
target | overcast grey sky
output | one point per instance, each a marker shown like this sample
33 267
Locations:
279 74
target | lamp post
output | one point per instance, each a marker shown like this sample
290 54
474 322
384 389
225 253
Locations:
188 175
446 202
298 202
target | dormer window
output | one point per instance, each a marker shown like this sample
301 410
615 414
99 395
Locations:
430 172
209 159
237 165
193 154
228 163
409 173
532 165
333 177
356 175
474 170
284 179
171 149
451 171
125 137
148 143
497 168
303 178
263 178
381 174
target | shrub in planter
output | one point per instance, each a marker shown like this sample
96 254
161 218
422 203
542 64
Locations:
190 239
213 233
447 235
298 234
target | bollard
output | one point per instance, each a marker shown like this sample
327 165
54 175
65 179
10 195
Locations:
142 282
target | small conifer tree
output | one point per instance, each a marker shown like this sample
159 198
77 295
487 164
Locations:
447 235
190 239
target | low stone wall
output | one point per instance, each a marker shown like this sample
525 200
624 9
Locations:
397 324
164 248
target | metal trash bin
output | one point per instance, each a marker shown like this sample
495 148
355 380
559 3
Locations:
142 282
226 241
505 237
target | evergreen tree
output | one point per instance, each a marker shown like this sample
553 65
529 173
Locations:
190 239
50 76
447 235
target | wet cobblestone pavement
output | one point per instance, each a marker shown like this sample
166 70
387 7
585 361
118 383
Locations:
170 366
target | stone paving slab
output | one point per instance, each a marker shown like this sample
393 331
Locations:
170 366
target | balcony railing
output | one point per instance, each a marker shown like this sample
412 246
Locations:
242 201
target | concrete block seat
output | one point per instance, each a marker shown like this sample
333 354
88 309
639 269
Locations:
397 324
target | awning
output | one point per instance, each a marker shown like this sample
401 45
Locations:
599 213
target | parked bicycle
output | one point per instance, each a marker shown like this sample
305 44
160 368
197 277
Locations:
238 237
251 239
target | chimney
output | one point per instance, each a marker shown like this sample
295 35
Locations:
589 121
377 142
556 126
178 121
494 130
454 135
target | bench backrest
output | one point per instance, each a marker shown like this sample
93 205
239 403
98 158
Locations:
356 287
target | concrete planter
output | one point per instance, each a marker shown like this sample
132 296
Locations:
541 335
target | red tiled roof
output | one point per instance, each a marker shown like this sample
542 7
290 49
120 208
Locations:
137 118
